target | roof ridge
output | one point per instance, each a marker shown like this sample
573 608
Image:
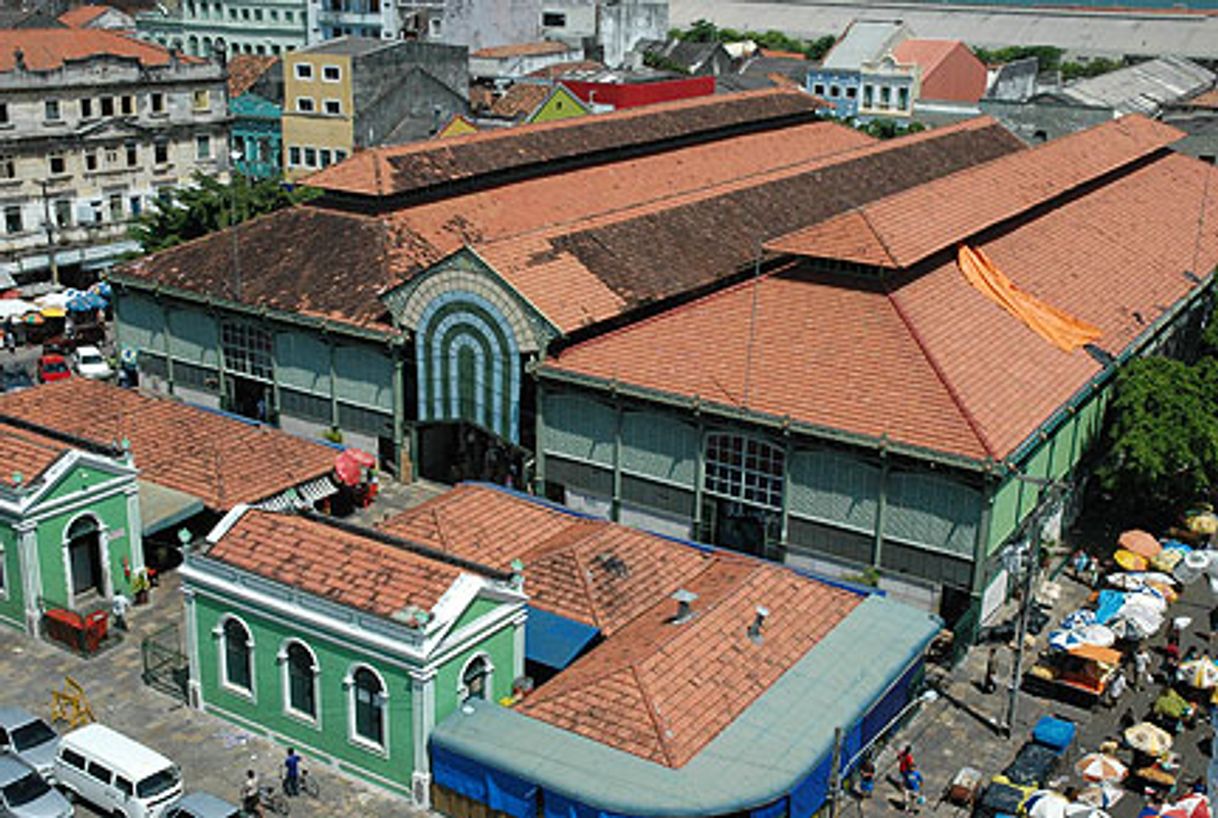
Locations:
940 373
875 231
657 720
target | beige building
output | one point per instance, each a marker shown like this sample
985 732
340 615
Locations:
92 125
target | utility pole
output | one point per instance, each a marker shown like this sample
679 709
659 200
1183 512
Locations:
49 226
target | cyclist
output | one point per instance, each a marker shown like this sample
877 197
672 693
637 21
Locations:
250 799
291 778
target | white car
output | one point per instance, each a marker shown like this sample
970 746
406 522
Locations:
91 364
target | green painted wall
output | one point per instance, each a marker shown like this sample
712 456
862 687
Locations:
335 658
112 512
477 608
835 488
562 104
12 598
579 428
448 678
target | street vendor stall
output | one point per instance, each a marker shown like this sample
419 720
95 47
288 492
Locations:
1078 675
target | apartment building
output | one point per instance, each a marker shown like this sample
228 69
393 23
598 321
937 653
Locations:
207 28
92 125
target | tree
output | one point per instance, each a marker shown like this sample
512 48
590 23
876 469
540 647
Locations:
207 204
1162 436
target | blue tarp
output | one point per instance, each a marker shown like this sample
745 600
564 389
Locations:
1108 605
553 640
498 790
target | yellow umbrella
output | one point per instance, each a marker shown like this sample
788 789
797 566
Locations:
53 312
1199 673
1167 559
1140 542
1129 560
1148 738
1204 523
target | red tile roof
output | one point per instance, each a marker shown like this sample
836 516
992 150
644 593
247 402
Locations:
46 49
558 70
246 69
301 248
537 49
520 100
949 69
894 232
657 690
222 461
26 453
81 16
335 564
402 169
932 362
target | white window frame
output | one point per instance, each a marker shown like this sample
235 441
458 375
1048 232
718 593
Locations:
738 491
285 681
310 110
199 155
221 640
489 684
353 737
338 78
305 75
4 572
325 102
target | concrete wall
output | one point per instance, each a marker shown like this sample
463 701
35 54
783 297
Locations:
481 23
202 27
625 23
424 82
1036 122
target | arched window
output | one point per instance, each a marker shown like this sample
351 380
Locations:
744 469
238 661
85 560
369 702
302 680
476 679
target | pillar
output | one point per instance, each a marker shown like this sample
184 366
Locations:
194 686
399 397
31 573
423 706
518 644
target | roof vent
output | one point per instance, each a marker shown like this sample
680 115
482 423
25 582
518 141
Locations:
758 621
685 610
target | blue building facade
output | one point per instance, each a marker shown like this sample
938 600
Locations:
840 87
258 135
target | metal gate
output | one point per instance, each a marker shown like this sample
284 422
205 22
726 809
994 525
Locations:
165 666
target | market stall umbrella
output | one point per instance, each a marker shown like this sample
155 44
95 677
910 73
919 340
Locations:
1205 522
1171 705
1065 639
1078 619
1097 767
1196 805
15 307
350 463
1199 673
1103 795
1081 809
1148 738
1129 560
1097 635
1140 542
85 302
1046 804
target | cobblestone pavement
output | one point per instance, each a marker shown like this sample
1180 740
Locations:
958 728
213 753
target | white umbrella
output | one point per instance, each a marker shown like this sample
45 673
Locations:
54 300
1062 639
1084 810
1046 804
1097 635
15 308
1096 767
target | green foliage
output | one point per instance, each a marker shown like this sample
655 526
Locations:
661 63
868 576
185 213
1162 435
1048 57
1091 68
704 31
884 128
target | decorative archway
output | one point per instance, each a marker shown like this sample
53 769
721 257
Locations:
85 558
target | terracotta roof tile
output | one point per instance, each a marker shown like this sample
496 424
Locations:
222 461
246 69
894 231
302 248
535 49
520 100
934 363
343 567
81 16
558 70
45 49
402 169
651 688
26 453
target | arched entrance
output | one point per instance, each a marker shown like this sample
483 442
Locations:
453 452
86 569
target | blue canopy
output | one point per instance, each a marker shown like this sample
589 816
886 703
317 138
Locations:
83 302
553 640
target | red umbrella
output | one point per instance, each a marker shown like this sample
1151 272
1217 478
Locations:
350 463
1191 806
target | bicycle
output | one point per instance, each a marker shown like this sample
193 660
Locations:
273 800
307 784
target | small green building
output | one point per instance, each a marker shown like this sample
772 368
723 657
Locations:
70 534
348 643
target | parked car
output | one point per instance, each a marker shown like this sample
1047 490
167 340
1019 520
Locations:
203 805
15 379
90 363
117 773
24 793
25 735
52 366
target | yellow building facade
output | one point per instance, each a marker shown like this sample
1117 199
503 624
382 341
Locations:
318 112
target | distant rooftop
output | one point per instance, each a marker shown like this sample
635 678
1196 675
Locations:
1143 88
355 46
864 40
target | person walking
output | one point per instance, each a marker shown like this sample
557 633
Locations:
1116 688
905 761
866 778
912 781
1141 665
250 801
118 609
291 778
991 672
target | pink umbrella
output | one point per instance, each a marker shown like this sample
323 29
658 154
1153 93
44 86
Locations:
350 463
1140 542
1191 806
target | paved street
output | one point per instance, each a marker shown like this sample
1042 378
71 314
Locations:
213 753
953 731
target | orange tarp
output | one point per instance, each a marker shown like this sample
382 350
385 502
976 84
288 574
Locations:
1105 656
1059 328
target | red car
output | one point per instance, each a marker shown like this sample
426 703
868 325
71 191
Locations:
53 367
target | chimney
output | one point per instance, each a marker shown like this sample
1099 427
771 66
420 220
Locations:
685 610
758 621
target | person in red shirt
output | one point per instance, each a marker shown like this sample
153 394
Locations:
906 760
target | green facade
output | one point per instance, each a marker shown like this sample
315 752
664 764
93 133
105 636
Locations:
91 496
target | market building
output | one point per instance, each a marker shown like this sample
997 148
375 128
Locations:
348 644
519 305
70 528
93 125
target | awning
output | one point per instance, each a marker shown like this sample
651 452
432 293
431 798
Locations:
162 507
304 495
553 640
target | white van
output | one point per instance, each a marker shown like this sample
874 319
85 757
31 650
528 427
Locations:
117 774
